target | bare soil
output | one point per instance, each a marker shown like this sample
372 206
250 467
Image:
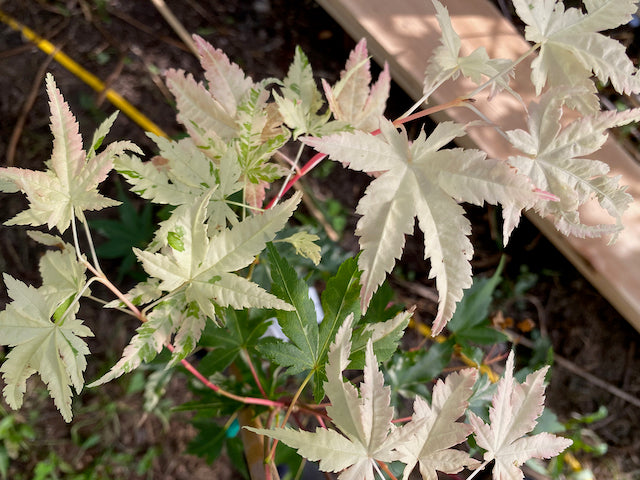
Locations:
128 44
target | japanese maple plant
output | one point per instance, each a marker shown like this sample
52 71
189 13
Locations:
199 294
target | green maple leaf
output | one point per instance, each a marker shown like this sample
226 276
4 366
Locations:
419 180
242 329
69 185
203 266
53 349
571 47
300 325
363 418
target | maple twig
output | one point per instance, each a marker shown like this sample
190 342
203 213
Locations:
285 185
100 277
386 470
272 453
254 373
477 470
205 381
92 249
505 70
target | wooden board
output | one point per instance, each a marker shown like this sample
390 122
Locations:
405 32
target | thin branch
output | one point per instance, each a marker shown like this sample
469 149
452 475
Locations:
176 25
254 373
575 369
26 108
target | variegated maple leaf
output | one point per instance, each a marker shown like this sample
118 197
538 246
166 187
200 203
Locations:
364 419
420 180
433 429
513 414
152 336
69 185
351 99
202 266
181 173
300 102
446 61
552 159
54 349
210 111
571 47
230 117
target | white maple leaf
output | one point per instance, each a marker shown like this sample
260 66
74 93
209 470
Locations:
69 185
202 266
351 99
571 49
419 180
53 349
513 414
433 429
446 61
364 419
552 159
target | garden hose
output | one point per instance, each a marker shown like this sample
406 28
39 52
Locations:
90 79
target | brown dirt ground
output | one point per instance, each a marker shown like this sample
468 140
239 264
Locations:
119 41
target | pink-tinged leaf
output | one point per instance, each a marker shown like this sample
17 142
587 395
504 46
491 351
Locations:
434 428
69 185
351 100
554 160
514 412
200 113
227 82
68 157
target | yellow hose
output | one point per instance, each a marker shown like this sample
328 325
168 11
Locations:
90 79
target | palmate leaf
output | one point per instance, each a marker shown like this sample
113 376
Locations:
300 325
446 61
181 173
54 350
571 49
434 428
552 159
420 181
300 101
69 185
351 99
242 330
364 420
202 266
513 414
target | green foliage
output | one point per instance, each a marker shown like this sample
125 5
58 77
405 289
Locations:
208 292
133 228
